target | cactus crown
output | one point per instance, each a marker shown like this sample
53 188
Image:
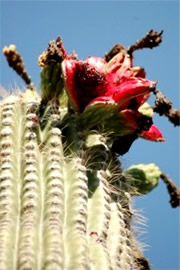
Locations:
64 198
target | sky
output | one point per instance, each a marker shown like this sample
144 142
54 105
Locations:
92 28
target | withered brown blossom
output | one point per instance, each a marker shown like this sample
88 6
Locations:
150 40
16 62
173 191
163 106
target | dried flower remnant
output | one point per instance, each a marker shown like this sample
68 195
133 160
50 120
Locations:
163 106
152 39
51 74
16 62
115 50
54 54
174 192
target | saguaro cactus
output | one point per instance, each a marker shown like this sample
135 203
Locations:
64 199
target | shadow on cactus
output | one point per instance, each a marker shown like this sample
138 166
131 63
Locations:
64 198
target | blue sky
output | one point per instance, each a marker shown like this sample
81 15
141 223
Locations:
92 28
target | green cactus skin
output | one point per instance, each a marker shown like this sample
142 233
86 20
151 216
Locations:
58 209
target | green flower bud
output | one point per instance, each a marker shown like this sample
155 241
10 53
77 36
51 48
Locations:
143 177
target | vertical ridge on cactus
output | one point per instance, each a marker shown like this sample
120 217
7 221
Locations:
11 180
31 190
53 215
75 226
98 223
